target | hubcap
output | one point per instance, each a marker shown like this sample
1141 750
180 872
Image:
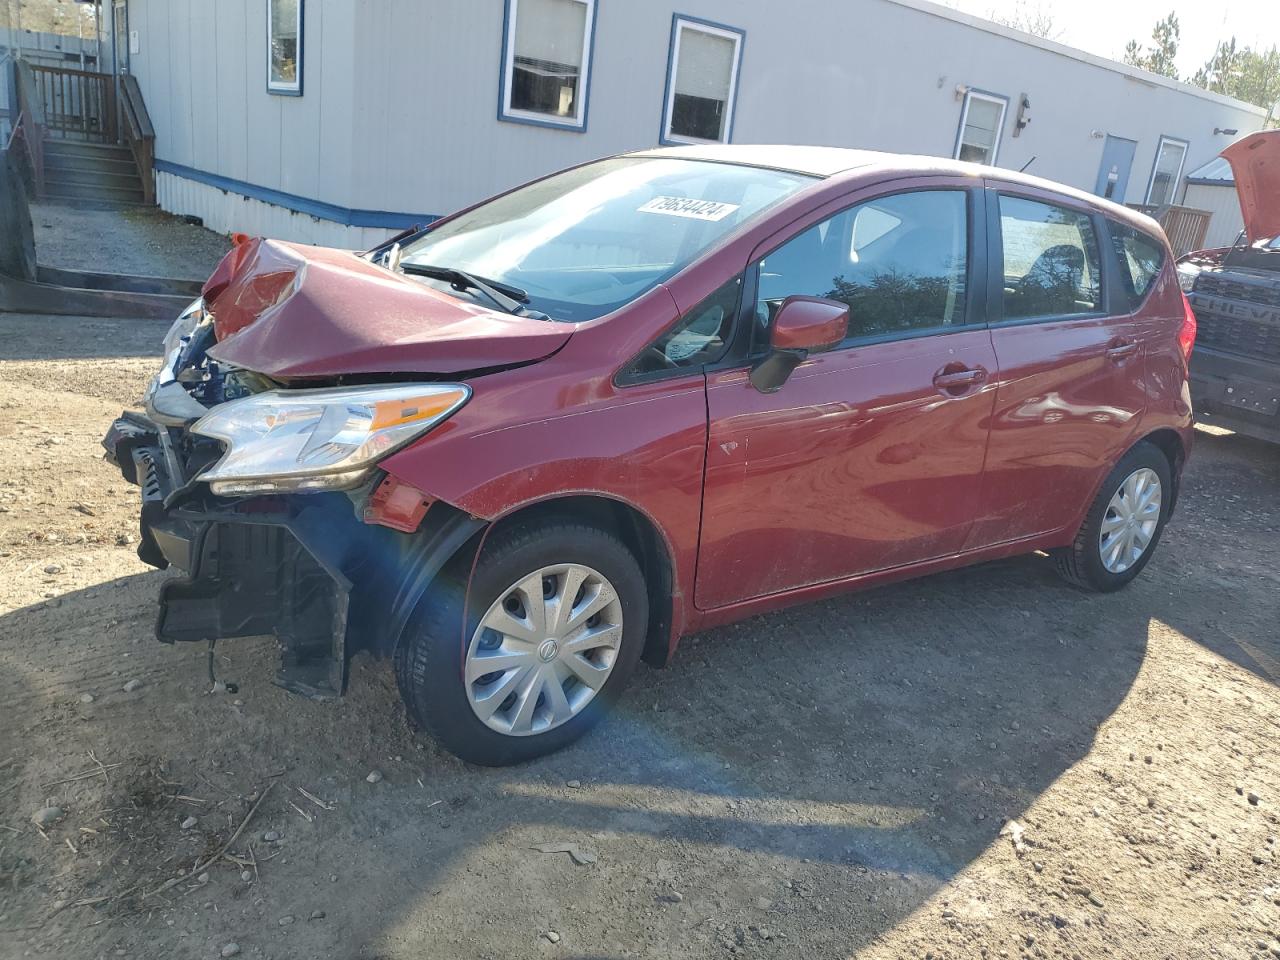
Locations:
1130 521
543 650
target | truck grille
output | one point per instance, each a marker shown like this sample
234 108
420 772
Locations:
1238 315
1234 288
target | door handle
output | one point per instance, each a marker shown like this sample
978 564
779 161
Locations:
1122 350
955 379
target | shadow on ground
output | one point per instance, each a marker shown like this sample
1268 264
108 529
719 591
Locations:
840 762
803 780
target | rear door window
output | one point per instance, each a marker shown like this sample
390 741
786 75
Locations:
1140 257
1050 260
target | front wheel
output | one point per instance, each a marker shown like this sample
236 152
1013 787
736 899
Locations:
540 649
1123 526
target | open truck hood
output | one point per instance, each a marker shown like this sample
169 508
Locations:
1255 164
291 311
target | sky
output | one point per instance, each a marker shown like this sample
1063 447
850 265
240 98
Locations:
1104 27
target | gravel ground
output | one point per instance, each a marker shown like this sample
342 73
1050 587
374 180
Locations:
985 763
143 241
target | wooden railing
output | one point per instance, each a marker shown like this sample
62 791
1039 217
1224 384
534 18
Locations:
25 147
138 133
77 104
1184 226
29 129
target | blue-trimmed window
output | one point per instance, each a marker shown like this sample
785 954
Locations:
702 81
981 125
1166 172
284 47
546 62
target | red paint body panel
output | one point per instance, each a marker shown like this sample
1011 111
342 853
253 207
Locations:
1255 164
293 312
1064 412
562 428
810 323
398 505
863 468
857 464
1164 367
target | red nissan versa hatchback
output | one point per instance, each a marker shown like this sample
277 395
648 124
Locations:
546 437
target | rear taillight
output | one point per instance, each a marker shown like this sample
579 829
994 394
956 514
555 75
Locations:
1187 333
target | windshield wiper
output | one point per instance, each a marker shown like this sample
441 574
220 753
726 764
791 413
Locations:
509 298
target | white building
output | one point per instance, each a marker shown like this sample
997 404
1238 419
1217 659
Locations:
337 121
1212 187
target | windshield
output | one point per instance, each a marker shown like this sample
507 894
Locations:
584 242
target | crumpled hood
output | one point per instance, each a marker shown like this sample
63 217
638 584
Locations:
1255 163
290 311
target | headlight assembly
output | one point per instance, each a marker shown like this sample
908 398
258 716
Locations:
1187 273
184 326
327 439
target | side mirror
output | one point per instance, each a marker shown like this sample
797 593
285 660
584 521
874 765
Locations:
803 325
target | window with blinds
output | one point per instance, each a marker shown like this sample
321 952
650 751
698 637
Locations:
547 58
981 120
702 82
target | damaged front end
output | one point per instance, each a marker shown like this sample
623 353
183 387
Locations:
271 501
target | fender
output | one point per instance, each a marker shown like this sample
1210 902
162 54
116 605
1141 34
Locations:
643 445
444 532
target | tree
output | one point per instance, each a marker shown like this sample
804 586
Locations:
48 16
1216 74
1036 20
1244 73
1161 57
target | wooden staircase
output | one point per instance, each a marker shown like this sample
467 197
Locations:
98 173
85 137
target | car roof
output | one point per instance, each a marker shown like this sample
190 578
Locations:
814 161
826 162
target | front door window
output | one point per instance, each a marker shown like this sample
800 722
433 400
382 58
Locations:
900 262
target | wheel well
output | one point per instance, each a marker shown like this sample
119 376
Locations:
641 537
1169 443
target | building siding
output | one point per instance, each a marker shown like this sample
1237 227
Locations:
400 104
1224 203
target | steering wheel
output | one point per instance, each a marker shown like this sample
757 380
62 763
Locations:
666 362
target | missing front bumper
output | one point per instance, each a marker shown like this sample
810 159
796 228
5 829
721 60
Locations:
302 568
264 577
269 567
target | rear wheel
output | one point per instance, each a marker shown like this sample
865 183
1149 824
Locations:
1123 525
538 652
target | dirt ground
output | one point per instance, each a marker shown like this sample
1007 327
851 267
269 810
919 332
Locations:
139 240
828 782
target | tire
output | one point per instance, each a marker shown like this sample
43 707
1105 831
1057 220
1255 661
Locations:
1090 563
444 632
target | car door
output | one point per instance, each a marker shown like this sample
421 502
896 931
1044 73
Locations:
870 455
1070 392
